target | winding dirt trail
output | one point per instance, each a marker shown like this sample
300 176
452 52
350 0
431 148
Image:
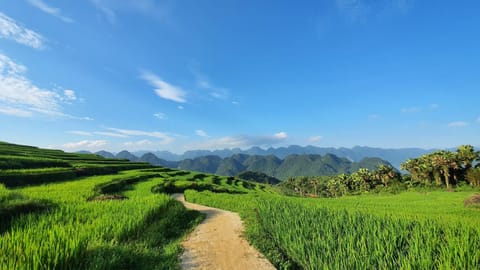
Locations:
217 243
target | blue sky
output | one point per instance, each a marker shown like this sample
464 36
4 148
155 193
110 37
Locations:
181 75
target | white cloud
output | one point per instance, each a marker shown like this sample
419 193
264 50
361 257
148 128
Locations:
201 133
244 141
79 132
411 110
141 143
10 29
85 144
280 135
22 97
362 10
314 139
164 89
110 134
180 107
353 9
164 137
160 116
203 82
50 10
156 9
69 95
457 124
15 112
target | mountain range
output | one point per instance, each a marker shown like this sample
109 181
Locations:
291 165
356 154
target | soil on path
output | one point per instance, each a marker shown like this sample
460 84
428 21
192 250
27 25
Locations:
217 243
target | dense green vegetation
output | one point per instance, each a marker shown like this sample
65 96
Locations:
406 231
384 178
258 177
445 167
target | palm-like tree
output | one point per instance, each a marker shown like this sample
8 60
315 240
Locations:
385 174
466 154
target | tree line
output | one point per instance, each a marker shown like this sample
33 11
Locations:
446 167
440 168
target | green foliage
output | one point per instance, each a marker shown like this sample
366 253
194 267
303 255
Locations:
384 178
258 177
444 167
473 176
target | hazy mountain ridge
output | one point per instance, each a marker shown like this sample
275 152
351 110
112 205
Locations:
292 165
357 153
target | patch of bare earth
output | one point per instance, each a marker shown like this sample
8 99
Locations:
217 242
472 201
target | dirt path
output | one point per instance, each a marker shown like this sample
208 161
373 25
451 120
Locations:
217 243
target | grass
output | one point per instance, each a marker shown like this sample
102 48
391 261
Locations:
97 235
59 216
407 231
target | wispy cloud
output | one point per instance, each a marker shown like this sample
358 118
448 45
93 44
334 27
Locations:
21 97
374 116
160 116
315 139
244 141
354 10
410 110
110 134
85 145
80 133
10 29
418 109
281 135
164 137
361 10
159 10
201 133
203 82
56 12
141 143
164 89
457 124
478 120
15 112
180 107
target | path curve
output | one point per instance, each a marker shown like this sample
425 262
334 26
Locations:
217 243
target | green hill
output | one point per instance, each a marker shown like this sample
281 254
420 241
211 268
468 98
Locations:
292 165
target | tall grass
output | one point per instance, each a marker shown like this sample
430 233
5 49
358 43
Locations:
142 231
334 234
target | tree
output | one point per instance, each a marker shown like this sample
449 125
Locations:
446 161
466 154
385 174
315 181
